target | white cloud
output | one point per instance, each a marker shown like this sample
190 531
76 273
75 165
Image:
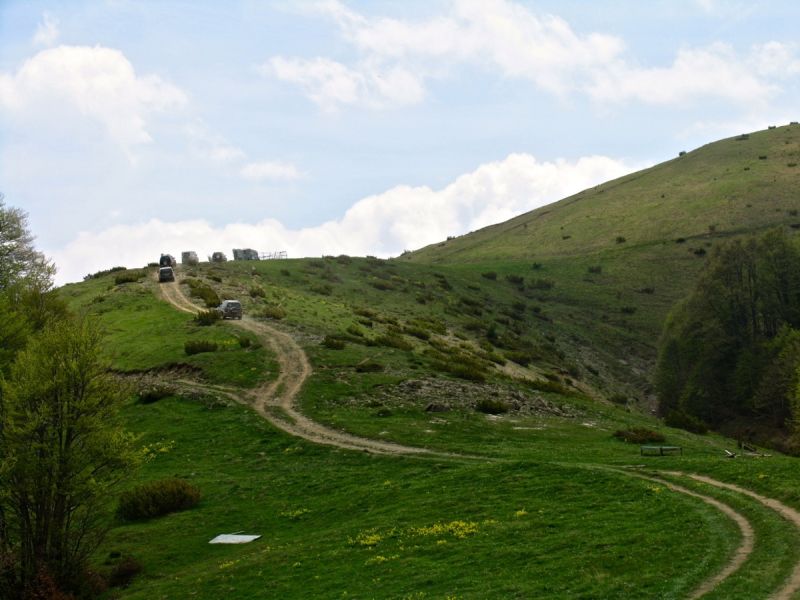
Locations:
712 72
270 171
47 32
329 83
511 39
384 224
96 83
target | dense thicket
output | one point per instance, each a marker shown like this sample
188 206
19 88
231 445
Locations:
731 349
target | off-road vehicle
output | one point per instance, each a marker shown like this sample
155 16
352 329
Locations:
166 274
230 309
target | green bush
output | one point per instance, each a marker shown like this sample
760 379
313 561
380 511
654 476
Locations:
491 406
683 420
541 284
596 269
157 498
272 312
333 343
257 292
549 386
489 275
620 239
153 392
129 277
323 289
197 346
394 341
123 572
618 398
245 342
639 435
515 279
369 366
207 317
203 291
417 332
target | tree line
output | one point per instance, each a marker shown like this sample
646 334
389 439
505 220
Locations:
62 449
730 351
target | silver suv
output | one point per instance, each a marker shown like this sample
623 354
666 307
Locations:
230 309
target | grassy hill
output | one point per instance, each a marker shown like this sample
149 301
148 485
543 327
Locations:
339 523
527 345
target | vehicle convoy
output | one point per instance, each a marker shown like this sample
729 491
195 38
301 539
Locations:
166 274
230 309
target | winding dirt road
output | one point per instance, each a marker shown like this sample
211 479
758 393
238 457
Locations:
275 400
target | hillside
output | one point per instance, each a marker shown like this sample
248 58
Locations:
515 466
728 187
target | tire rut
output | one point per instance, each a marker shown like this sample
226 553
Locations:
278 396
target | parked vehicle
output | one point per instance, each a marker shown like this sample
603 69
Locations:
219 257
189 258
230 309
166 274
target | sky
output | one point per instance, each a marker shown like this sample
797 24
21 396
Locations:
132 128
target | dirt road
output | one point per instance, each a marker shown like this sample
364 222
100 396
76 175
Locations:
275 400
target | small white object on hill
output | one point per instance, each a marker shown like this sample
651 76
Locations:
233 538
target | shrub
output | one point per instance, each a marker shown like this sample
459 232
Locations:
203 291
272 311
521 358
683 420
491 406
394 341
489 275
647 290
355 330
381 285
618 398
639 435
286 273
153 392
99 274
245 342
548 386
369 367
129 277
628 310
596 269
207 317
157 498
197 346
536 266
680 240
515 279
417 332
123 572
700 252
620 239
333 343
257 292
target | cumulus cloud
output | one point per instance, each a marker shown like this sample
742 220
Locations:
47 32
385 224
97 83
397 57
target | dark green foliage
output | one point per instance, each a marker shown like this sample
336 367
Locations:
639 435
123 572
99 274
369 366
197 346
153 392
207 317
620 239
489 275
157 498
627 310
541 284
245 342
596 269
417 332
272 311
129 277
517 280
548 386
521 358
203 291
257 292
491 406
727 350
616 398
333 343
683 420
394 341
355 330
323 289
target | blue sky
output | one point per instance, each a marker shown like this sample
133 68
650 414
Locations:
132 128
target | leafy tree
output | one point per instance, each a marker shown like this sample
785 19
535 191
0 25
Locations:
61 452
19 259
729 350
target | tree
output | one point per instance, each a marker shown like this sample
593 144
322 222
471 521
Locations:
19 259
728 350
62 451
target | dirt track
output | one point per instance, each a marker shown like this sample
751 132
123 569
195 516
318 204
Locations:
275 400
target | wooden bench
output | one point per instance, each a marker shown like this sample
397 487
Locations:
660 450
